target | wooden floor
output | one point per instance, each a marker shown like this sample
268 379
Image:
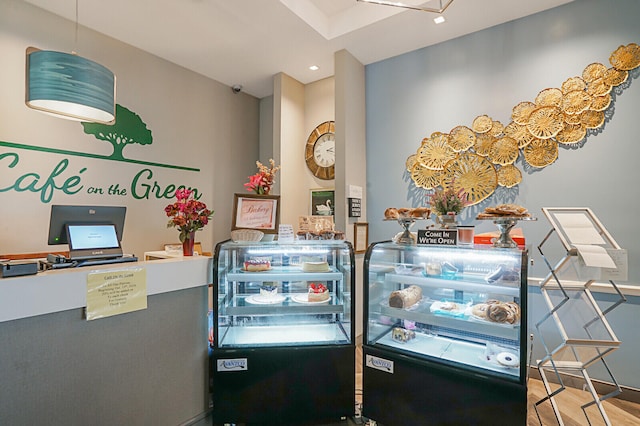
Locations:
619 412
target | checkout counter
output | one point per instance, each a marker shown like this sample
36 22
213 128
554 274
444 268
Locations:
148 366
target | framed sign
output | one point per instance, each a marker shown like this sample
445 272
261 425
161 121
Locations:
253 211
360 237
322 202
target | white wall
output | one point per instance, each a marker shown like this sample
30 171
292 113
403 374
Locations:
196 123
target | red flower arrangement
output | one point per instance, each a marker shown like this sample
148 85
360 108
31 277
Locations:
187 214
261 182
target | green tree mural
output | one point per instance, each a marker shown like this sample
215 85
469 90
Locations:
128 129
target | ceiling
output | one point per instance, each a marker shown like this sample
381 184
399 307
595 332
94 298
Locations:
247 42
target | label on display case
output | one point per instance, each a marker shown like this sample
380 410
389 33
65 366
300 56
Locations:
233 364
379 363
438 237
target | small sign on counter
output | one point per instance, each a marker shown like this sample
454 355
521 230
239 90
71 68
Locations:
439 237
115 292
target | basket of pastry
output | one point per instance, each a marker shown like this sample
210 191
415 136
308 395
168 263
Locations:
504 210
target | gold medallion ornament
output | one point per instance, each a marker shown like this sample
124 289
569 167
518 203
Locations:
410 162
541 153
521 112
484 143
482 124
504 151
592 119
496 129
615 77
545 122
571 133
549 97
626 57
509 176
593 71
573 83
519 133
425 178
598 87
472 175
572 118
600 103
462 138
575 102
435 152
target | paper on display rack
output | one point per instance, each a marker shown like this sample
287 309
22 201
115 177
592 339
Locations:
579 229
595 256
618 272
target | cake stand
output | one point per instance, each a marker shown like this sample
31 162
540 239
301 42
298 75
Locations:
505 224
406 222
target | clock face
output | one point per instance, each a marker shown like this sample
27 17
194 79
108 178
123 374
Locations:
324 150
320 151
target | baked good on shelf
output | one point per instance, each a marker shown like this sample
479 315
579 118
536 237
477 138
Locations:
403 212
479 310
321 266
504 312
420 212
402 335
504 210
257 265
268 292
405 298
448 306
318 292
391 213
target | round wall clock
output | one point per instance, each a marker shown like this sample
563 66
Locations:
320 151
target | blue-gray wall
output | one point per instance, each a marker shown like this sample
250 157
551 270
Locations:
489 72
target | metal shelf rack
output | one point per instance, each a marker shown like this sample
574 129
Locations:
575 332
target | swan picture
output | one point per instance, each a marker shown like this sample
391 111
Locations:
324 209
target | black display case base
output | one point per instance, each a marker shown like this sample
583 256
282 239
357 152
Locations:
422 393
282 386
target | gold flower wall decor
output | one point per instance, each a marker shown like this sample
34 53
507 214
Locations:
476 159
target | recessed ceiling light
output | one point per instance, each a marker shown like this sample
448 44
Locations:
439 19
314 68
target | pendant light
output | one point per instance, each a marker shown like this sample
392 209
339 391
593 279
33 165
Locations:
69 86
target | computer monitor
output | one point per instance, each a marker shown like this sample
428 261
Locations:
93 242
63 215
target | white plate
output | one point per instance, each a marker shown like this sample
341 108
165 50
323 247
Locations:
257 300
304 298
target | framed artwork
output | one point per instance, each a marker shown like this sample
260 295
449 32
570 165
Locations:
360 237
253 211
322 202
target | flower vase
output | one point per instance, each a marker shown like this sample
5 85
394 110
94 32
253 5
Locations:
187 244
447 220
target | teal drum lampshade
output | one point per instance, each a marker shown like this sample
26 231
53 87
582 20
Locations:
70 86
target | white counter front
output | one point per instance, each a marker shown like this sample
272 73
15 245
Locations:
61 290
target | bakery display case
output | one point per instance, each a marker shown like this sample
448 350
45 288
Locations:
283 336
451 322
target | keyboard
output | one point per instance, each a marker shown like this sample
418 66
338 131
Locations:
94 262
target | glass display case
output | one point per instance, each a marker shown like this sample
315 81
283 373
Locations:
444 317
283 320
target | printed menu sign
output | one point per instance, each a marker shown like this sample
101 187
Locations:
116 292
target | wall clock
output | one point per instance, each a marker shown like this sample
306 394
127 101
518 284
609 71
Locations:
320 151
